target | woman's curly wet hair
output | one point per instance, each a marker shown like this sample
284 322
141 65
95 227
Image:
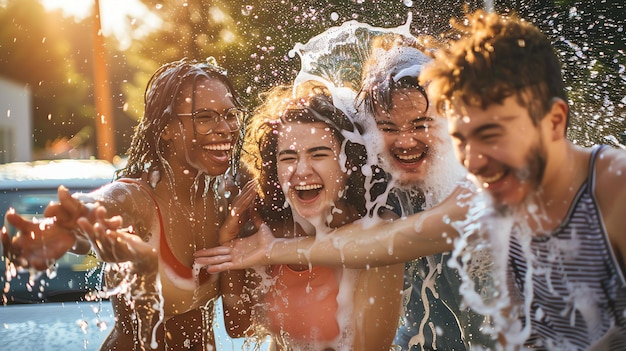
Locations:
496 57
259 157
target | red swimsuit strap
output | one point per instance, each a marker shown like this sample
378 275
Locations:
164 249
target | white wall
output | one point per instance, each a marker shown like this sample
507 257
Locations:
15 122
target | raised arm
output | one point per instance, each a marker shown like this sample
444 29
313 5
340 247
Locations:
353 245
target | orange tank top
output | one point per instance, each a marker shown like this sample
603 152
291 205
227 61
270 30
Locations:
303 303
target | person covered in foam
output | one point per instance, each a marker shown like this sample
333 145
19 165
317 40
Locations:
414 148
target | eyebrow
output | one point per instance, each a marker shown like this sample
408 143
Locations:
483 128
413 121
309 151
486 127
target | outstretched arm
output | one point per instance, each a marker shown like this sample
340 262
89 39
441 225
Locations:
41 242
353 245
115 244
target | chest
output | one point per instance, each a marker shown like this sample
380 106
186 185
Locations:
184 229
575 264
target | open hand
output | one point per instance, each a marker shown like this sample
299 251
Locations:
67 211
114 244
239 253
38 243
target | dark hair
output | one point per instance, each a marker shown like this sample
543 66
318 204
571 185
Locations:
160 98
380 72
261 142
496 58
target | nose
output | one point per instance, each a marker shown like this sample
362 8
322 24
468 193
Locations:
405 140
303 168
472 158
221 127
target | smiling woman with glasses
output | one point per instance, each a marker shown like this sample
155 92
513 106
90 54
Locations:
172 197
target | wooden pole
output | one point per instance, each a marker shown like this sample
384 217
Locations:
102 92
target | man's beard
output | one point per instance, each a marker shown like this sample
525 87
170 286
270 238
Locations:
532 174
535 167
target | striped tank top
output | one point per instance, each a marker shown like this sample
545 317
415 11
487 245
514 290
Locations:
579 292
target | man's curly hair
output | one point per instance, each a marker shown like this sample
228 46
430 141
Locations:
496 57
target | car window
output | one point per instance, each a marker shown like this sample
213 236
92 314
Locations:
28 204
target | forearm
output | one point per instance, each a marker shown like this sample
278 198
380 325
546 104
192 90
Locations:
237 300
385 243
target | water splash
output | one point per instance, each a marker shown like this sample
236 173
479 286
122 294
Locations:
336 57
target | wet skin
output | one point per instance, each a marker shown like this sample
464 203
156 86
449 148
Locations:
501 148
410 136
313 181
194 152
308 168
190 221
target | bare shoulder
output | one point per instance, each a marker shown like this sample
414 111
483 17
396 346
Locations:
128 199
611 173
610 191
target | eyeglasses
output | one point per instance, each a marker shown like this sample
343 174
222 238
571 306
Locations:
206 120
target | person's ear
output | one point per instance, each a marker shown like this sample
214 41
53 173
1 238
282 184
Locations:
557 118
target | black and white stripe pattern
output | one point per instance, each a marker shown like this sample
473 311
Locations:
579 293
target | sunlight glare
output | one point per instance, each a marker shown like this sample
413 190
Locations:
117 16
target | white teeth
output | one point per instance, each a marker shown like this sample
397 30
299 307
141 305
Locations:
493 178
410 157
217 147
308 187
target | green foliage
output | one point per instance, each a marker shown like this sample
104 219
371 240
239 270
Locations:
36 52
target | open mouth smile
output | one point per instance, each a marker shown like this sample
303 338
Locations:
218 152
488 180
307 192
409 158
218 147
